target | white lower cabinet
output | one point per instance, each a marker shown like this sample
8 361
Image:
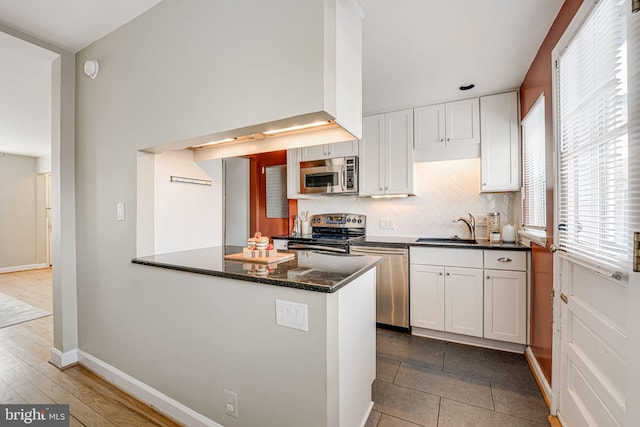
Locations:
463 296
427 296
470 292
505 296
446 296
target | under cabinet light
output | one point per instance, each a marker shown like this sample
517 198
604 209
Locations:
390 196
298 127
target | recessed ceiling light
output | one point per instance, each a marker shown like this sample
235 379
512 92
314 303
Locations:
467 87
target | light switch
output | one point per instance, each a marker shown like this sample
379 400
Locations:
120 211
292 315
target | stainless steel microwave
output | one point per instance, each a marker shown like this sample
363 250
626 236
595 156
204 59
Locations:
329 176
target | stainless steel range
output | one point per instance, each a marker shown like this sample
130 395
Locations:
330 232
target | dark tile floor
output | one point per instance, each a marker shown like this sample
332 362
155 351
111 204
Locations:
425 382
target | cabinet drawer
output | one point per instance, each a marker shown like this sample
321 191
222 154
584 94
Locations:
505 260
446 256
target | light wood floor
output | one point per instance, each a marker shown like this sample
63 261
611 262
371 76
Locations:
27 377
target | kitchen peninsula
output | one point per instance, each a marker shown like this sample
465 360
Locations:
315 371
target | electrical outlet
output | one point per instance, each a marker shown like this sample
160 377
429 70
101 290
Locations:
385 224
231 403
292 315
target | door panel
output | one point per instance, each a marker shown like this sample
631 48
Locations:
427 296
464 301
593 344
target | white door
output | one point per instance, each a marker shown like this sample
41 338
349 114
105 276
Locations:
371 159
500 142
315 152
427 296
505 305
464 301
632 376
429 127
592 269
463 122
398 152
343 149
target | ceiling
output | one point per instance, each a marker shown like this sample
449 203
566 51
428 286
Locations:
415 52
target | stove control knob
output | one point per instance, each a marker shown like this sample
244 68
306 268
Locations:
359 221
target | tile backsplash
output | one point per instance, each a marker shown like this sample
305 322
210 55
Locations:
444 191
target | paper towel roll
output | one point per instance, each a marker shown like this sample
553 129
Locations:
508 233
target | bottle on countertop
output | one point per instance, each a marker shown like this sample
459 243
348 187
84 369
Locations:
493 227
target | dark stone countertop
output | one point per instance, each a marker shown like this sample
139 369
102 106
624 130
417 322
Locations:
309 270
406 241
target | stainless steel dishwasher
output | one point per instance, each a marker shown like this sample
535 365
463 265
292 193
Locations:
392 290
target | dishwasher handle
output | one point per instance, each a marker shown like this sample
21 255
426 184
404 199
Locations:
378 251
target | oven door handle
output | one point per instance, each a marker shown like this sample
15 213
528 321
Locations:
303 247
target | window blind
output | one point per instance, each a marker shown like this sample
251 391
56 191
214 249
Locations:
533 166
593 151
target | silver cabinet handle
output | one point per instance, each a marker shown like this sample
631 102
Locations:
448 274
504 259
439 274
488 277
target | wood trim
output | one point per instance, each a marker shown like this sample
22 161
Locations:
554 421
535 370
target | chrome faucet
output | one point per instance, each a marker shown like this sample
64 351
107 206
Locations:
471 223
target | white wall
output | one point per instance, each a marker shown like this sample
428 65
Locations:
186 216
444 191
18 213
181 70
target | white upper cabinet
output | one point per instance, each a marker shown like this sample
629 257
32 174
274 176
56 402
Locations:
329 151
386 154
293 173
500 138
447 131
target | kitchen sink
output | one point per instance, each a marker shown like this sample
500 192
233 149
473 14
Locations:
446 240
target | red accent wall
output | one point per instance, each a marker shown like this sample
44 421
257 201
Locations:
537 81
258 220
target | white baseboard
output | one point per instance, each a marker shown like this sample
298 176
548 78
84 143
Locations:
145 393
63 360
23 268
542 380
364 422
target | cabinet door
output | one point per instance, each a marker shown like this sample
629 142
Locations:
343 149
428 125
505 305
329 151
370 166
463 123
464 300
315 152
426 304
293 173
500 138
398 153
